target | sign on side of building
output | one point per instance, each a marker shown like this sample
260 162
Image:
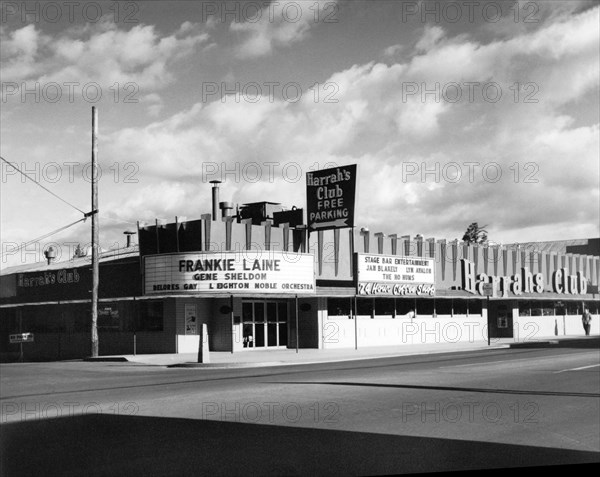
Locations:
524 282
21 338
392 275
330 195
230 273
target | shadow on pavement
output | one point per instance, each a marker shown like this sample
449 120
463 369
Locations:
586 342
135 445
450 388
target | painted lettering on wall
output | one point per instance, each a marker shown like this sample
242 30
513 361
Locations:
396 289
48 278
523 282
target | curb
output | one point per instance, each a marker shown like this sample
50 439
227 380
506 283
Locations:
110 359
554 342
263 364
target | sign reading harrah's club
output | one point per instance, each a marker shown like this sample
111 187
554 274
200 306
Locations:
523 282
330 195
230 273
393 275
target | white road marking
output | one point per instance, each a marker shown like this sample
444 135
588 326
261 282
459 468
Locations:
577 369
515 360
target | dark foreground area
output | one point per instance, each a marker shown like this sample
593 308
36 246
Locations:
131 445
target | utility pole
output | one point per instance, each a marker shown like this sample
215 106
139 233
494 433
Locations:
95 232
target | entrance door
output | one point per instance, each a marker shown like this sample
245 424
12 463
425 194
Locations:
265 324
500 319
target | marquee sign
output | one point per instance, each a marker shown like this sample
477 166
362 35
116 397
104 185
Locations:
392 275
330 195
230 273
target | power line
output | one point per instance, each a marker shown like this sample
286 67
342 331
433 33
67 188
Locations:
46 189
106 217
43 237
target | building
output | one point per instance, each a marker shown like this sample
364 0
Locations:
578 246
266 286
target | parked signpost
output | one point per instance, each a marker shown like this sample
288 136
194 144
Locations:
21 338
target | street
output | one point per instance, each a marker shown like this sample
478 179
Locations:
484 409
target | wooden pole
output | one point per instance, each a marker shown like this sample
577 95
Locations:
95 232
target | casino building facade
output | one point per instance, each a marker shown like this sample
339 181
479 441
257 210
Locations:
260 280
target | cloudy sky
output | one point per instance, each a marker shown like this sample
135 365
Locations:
454 112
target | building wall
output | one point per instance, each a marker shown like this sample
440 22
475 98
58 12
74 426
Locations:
60 346
332 251
534 327
308 323
386 331
333 257
219 326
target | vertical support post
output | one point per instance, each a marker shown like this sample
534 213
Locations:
135 316
95 232
177 232
352 261
20 314
297 333
232 323
355 324
488 319
156 235
203 351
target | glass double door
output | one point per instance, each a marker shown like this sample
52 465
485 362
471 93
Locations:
264 323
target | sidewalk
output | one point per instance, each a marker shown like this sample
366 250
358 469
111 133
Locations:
281 357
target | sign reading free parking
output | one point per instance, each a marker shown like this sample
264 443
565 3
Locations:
330 195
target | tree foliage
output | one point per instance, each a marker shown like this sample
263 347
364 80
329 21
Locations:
475 234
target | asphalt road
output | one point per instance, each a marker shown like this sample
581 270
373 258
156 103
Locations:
488 409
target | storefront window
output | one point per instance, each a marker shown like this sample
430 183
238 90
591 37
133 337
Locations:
443 306
475 307
536 308
364 307
524 308
405 306
573 308
547 308
385 307
424 307
459 307
559 308
593 306
339 308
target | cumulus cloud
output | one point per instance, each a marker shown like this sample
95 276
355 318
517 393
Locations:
98 52
429 162
509 153
432 35
393 50
279 24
